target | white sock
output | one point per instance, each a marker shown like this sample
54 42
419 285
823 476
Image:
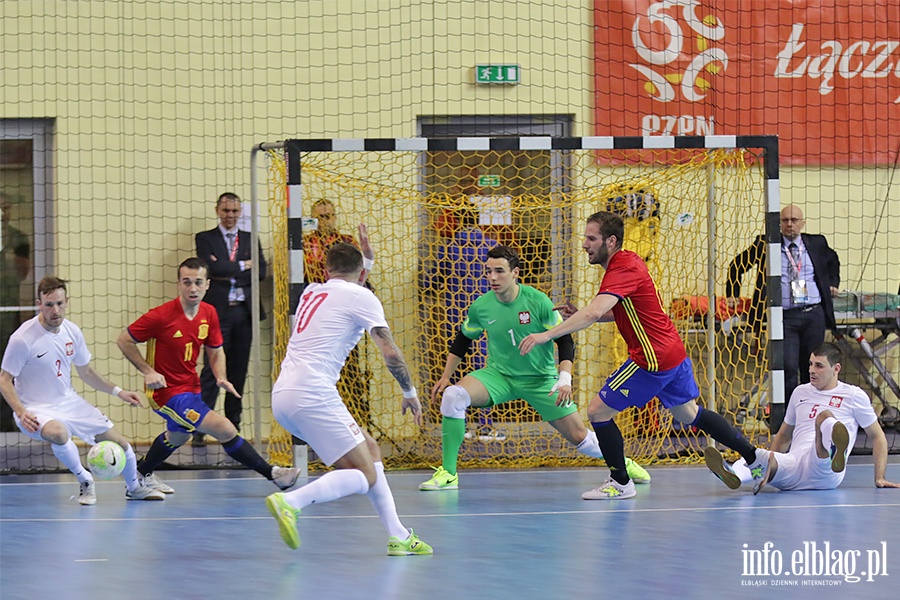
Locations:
68 455
129 473
383 500
328 487
590 446
742 471
762 457
827 428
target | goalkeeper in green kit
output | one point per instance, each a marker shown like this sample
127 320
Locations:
507 314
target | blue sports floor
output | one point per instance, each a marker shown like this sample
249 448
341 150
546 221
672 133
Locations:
504 534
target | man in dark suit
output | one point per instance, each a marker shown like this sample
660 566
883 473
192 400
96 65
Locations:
227 252
810 277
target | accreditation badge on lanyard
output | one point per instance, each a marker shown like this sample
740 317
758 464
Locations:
799 287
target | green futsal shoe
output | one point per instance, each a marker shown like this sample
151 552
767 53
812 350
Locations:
408 547
286 515
441 480
636 472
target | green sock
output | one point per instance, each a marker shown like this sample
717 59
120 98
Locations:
453 431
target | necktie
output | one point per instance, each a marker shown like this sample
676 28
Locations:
232 251
795 254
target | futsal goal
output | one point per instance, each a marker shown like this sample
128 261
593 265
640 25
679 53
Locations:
690 204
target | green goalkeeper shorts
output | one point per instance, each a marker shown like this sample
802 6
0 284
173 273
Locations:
533 390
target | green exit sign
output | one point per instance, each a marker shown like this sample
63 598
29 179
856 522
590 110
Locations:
498 74
489 181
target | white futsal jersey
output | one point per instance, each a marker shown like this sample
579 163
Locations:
330 320
41 362
849 404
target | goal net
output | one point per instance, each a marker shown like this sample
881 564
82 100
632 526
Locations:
689 208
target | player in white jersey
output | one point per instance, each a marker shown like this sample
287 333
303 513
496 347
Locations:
811 447
331 318
36 381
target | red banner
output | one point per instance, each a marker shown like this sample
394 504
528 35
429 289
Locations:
822 75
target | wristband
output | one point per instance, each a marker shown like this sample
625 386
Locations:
368 263
410 394
115 391
565 378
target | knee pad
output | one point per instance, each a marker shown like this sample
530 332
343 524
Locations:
590 446
455 401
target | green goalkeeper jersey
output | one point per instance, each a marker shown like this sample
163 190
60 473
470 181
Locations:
506 325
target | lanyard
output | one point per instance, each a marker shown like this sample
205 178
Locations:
796 265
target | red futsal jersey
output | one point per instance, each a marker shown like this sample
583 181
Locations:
653 342
174 343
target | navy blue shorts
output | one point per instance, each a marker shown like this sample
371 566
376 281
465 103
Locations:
183 412
631 385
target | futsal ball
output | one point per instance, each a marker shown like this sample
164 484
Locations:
106 460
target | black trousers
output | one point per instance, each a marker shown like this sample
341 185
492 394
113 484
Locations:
9 322
804 329
237 333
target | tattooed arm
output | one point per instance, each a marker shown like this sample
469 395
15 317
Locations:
396 364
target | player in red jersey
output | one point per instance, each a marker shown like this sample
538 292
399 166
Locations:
175 333
657 363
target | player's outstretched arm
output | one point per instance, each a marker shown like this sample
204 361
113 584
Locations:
563 384
364 246
584 318
453 362
396 364
565 347
8 389
880 454
368 253
216 359
782 440
101 384
152 379
458 350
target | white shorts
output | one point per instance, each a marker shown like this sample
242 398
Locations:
804 470
81 418
320 418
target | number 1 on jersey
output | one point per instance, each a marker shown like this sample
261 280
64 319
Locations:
512 337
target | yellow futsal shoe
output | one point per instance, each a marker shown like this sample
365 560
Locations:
286 515
408 547
441 480
636 472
